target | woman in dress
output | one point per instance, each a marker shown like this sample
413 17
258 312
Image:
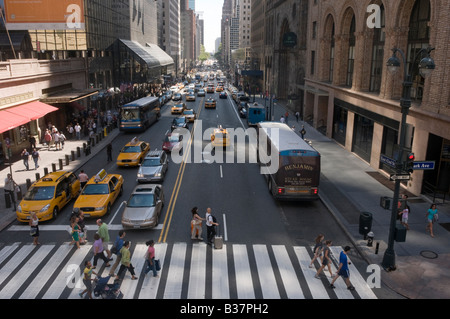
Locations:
34 231
196 225
75 231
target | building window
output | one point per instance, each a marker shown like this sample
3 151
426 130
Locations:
313 61
362 139
377 55
351 53
314 30
331 68
418 38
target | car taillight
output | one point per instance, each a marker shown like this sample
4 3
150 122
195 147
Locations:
280 190
315 191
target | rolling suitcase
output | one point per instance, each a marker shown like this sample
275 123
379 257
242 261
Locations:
218 240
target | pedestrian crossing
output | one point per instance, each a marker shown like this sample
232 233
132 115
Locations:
188 271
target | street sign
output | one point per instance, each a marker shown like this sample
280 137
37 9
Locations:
387 160
403 177
426 165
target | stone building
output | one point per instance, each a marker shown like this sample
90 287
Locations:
351 96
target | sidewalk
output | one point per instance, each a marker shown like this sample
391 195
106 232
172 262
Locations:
49 158
348 187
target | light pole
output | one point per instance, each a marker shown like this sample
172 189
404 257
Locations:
426 66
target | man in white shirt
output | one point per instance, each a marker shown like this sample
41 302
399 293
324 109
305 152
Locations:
9 189
210 229
78 131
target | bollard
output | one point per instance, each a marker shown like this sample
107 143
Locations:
377 246
37 176
8 200
19 193
105 130
45 171
73 155
28 181
92 141
96 138
78 151
84 148
370 239
53 167
60 164
67 159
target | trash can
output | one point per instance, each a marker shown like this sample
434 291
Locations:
400 233
365 223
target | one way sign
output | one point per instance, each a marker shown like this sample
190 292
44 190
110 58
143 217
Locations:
427 165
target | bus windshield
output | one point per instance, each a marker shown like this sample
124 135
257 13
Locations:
130 114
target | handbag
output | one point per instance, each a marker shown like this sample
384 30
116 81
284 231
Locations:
33 231
157 265
435 217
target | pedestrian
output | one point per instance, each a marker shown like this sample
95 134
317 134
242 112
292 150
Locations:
297 115
32 141
62 139
286 116
109 152
432 216
210 226
87 279
84 178
343 271
196 225
326 260
125 261
303 132
25 156
35 156
83 227
150 258
34 228
48 138
78 131
70 131
282 120
104 235
317 250
401 205
404 216
115 249
9 188
98 251
75 231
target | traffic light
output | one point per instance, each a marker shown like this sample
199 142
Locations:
410 163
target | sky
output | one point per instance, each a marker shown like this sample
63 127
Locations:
211 11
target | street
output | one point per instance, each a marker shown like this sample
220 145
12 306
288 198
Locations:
260 233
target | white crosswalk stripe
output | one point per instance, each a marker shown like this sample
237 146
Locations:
235 271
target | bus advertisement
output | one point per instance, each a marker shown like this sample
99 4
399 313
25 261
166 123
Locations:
298 174
140 114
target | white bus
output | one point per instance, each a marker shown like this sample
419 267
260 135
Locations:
298 174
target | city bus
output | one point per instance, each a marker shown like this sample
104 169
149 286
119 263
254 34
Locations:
140 114
298 173
256 113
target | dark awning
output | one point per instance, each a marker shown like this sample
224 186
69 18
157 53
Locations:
151 54
68 96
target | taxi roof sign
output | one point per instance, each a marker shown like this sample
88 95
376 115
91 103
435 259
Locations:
100 175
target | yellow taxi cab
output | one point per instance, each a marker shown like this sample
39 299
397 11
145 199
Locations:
190 115
99 194
210 89
219 88
210 103
47 196
133 153
190 96
220 138
178 108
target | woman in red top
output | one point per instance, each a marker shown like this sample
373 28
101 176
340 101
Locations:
150 260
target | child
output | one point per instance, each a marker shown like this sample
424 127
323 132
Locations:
405 213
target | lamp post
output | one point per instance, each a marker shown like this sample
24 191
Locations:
426 66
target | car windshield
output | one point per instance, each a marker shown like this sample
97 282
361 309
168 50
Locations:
40 193
187 112
151 162
141 200
131 149
180 120
96 189
178 105
172 139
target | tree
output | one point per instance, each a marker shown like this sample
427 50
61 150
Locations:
203 55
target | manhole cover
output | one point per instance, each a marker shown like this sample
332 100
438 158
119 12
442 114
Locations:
429 254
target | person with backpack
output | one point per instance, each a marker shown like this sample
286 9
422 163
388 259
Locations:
211 222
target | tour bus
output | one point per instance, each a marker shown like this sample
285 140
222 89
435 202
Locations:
255 113
140 114
298 174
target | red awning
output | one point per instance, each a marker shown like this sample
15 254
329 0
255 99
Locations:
21 114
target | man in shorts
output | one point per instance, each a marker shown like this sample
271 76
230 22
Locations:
343 269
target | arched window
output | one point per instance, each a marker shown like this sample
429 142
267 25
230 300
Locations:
331 68
377 54
351 53
418 38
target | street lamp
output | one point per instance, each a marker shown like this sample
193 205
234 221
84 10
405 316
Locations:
426 66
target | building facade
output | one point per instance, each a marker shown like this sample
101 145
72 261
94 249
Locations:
350 95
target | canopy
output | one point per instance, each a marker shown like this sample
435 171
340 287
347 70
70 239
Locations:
21 114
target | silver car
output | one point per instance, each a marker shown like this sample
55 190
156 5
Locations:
153 168
144 207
